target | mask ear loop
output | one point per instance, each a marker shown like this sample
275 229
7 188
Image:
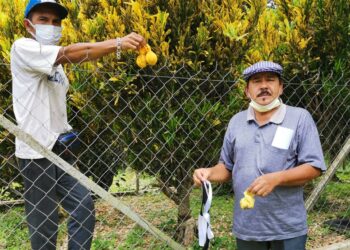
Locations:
33 26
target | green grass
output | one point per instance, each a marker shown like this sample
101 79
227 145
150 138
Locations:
104 242
13 229
115 231
133 239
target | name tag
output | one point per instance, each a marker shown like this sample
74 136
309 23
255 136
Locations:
282 138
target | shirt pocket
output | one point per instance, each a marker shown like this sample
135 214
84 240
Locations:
273 159
282 137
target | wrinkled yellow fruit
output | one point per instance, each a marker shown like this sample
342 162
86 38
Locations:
145 49
247 202
151 58
141 61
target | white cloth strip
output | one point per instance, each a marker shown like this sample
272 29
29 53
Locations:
204 228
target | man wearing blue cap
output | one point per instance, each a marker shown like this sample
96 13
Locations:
270 150
39 96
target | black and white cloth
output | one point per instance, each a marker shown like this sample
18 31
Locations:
205 233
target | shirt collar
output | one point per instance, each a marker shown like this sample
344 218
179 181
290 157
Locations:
276 118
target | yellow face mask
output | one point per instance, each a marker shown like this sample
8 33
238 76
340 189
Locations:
264 108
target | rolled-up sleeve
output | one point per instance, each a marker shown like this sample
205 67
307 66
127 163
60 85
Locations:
309 146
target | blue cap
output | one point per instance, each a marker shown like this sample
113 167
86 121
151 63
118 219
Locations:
62 11
263 66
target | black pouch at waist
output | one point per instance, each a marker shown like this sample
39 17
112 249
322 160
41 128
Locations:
68 145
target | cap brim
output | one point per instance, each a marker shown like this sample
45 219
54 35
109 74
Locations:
62 11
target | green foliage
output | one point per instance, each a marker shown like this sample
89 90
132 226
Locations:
168 126
343 173
303 35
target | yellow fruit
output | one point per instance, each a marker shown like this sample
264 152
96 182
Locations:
145 49
243 203
141 61
151 58
247 201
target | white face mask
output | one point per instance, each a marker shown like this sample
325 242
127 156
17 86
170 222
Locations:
46 34
264 108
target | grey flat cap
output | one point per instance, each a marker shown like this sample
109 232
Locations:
262 66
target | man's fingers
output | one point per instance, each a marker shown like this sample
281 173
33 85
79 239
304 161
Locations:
253 187
133 41
129 44
260 187
199 176
257 187
140 40
196 181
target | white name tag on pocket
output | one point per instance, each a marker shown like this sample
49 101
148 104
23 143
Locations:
283 137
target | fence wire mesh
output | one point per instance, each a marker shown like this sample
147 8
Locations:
142 133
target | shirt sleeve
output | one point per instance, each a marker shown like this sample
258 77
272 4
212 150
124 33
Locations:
35 57
226 155
309 147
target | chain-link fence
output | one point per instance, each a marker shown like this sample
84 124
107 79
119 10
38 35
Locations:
141 134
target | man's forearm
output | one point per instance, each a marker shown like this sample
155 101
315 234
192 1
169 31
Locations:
82 52
219 173
298 176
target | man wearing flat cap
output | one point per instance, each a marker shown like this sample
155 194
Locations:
39 100
269 150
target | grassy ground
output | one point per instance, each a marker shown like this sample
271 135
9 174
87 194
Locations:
115 231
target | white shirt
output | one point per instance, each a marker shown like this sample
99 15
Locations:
39 94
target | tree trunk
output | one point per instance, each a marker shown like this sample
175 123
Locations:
185 223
